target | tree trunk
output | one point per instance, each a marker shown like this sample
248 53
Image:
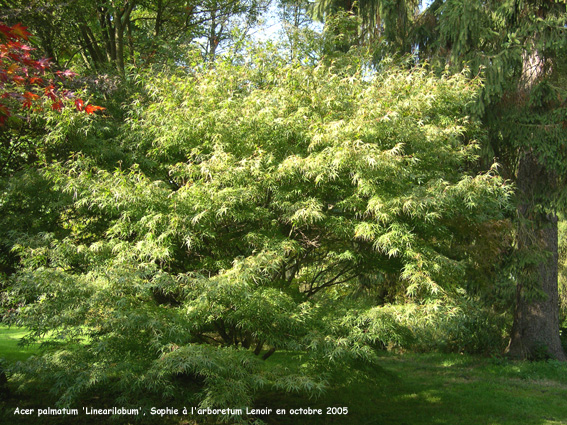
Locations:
119 40
90 44
157 27
111 33
121 20
213 38
535 332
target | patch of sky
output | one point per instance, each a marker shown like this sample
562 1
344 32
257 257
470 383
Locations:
271 26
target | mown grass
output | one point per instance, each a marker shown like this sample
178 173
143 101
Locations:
408 389
423 389
10 348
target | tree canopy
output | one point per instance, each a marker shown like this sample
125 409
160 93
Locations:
108 36
260 197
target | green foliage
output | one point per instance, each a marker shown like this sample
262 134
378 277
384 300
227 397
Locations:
299 37
260 197
458 324
519 48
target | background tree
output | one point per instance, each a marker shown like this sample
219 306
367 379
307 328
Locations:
29 86
389 25
523 104
108 35
299 36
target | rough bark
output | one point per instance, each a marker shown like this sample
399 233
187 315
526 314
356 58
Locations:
535 332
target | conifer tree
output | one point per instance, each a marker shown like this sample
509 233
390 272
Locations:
518 46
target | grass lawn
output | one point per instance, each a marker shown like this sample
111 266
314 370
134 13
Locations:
422 389
10 350
409 389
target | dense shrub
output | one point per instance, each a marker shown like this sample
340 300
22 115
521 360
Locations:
261 194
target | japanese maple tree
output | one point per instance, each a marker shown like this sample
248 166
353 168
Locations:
29 83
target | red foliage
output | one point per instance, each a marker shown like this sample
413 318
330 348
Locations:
91 109
18 31
25 81
79 104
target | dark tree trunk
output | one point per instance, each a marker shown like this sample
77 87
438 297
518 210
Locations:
213 37
90 44
106 31
535 332
268 353
159 17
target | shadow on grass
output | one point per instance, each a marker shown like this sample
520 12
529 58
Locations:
436 389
